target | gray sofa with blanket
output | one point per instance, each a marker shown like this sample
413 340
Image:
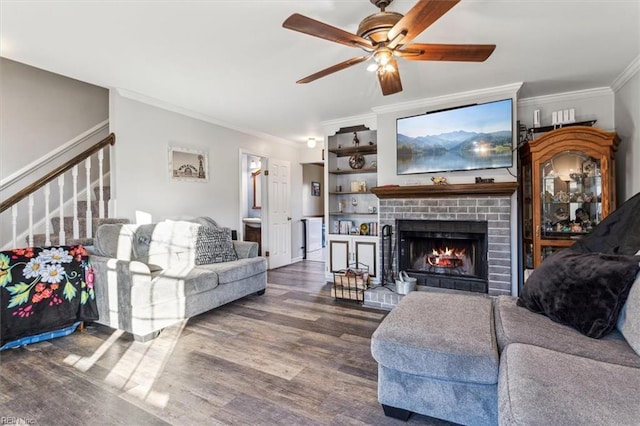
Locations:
566 352
148 277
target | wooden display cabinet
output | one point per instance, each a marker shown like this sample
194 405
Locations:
568 187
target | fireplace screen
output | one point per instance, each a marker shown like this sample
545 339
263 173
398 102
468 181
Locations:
450 254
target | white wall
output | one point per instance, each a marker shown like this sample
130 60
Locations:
41 111
627 119
142 181
592 104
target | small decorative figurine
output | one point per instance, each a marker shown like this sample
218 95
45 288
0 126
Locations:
439 180
356 141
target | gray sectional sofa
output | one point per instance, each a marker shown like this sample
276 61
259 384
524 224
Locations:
566 352
481 361
552 374
148 277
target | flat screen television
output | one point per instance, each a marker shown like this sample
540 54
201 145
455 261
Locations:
470 137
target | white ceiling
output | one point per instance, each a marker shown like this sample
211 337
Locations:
233 62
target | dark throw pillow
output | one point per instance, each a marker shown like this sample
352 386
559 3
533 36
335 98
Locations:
214 245
583 290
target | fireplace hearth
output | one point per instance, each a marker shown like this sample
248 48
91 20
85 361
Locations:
448 254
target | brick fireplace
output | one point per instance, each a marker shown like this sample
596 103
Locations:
488 205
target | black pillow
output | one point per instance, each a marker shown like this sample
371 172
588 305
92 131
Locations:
583 290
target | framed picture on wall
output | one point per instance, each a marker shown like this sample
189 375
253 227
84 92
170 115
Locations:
315 189
188 165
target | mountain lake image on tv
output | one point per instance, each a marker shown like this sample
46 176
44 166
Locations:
465 138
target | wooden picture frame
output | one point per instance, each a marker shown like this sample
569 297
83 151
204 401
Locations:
188 165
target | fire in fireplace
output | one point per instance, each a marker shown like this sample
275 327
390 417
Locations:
447 259
447 254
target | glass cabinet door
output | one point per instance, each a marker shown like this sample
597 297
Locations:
571 198
527 215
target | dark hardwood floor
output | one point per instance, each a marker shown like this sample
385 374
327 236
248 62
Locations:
293 356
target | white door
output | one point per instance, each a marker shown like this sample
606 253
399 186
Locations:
279 244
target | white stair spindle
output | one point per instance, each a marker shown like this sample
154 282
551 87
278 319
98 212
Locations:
61 231
47 215
101 183
30 220
14 224
87 166
76 223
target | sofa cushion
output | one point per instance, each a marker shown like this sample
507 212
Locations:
516 324
230 272
583 290
115 240
214 245
443 336
175 283
205 221
538 386
125 242
629 319
172 244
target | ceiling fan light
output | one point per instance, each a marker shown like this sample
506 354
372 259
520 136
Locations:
373 67
384 57
389 68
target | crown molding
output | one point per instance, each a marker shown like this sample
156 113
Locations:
565 97
508 90
626 75
148 100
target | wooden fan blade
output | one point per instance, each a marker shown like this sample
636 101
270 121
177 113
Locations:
300 23
423 14
390 80
332 69
446 52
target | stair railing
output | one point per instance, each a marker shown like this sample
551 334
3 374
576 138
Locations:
44 184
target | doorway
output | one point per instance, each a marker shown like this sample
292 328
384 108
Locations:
252 200
265 206
313 196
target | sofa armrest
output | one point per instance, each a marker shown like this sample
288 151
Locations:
245 249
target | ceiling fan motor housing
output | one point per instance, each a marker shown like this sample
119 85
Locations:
375 27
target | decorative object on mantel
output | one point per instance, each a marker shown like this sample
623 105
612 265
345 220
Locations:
484 180
356 161
356 141
439 180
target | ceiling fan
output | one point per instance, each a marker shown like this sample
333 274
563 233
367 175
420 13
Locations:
385 35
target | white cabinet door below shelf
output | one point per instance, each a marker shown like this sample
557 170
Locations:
345 251
338 255
365 254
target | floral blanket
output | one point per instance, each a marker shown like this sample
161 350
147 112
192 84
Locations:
44 289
